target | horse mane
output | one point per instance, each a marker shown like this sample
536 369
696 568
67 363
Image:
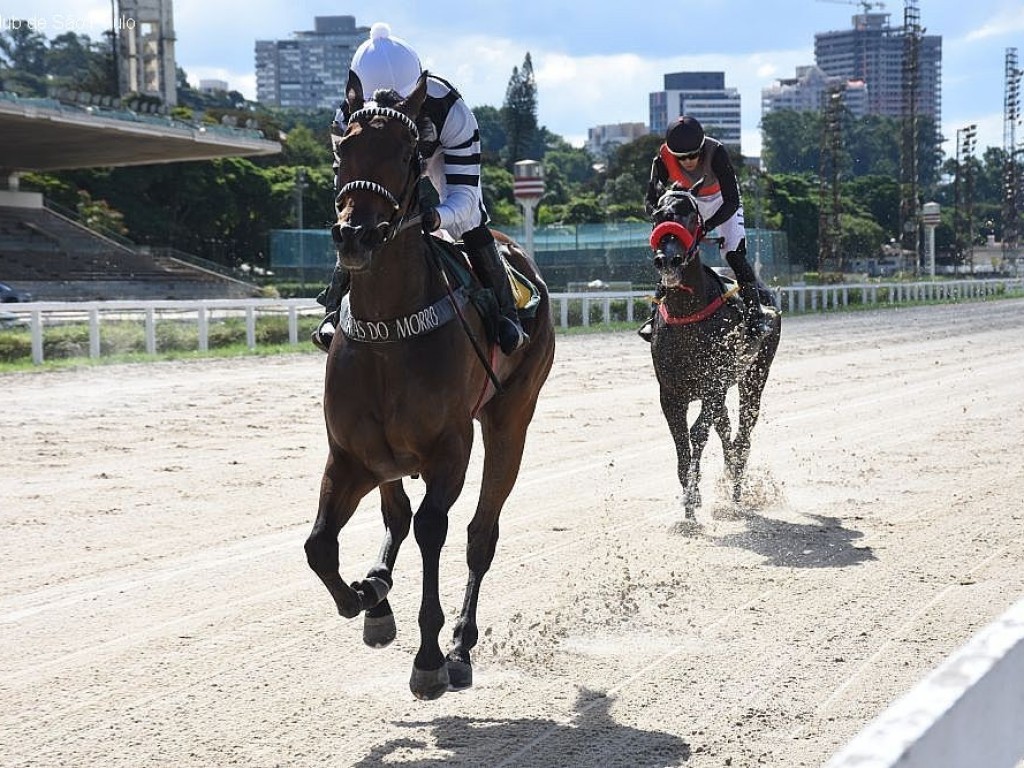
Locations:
387 97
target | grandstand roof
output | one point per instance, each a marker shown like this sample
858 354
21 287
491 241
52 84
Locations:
45 135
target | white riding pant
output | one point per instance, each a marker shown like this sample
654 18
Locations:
732 229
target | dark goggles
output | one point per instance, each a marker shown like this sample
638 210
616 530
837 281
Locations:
692 154
688 155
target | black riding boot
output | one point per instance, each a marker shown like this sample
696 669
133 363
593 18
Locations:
486 261
330 297
756 322
646 331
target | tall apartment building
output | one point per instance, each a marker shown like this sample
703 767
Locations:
602 140
873 51
702 95
310 70
806 92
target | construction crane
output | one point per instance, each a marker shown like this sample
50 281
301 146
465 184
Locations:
866 6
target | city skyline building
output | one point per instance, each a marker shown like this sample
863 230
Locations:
309 70
602 140
806 92
702 95
873 51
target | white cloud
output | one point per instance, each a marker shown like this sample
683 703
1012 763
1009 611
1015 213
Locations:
1007 22
575 93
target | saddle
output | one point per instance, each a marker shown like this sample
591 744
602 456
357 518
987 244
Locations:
454 259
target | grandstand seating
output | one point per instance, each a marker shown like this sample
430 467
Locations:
55 258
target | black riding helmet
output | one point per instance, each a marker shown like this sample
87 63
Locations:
685 136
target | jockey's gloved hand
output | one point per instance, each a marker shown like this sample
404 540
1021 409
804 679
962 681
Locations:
431 221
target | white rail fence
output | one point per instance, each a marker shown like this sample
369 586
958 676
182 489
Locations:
968 712
568 309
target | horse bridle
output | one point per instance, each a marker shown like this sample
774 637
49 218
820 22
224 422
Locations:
400 207
679 261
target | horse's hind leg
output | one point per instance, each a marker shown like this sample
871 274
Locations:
723 427
379 621
504 438
341 489
751 386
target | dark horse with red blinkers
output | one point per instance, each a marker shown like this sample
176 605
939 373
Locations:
407 374
700 348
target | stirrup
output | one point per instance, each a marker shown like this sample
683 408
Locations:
324 333
646 331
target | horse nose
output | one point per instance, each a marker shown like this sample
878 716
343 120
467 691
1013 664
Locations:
358 238
345 235
659 261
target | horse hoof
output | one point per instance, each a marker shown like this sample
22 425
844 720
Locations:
460 675
429 684
379 631
348 611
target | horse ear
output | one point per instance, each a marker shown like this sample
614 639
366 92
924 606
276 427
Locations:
354 92
414 102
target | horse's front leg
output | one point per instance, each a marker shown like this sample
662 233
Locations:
675 405
710 408
429 678
379 622
342 487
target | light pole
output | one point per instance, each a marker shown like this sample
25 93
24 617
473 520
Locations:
963 213
930 217
300 187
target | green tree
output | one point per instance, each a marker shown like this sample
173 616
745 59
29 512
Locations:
302 147
499 199
22 48
519 114
629 168
791 141
99 216
576 166
68 56
492 133
871 147
878 197
793 197
861 236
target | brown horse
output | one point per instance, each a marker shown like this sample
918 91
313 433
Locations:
700 349
408 372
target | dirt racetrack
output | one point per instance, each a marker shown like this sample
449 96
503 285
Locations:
156 608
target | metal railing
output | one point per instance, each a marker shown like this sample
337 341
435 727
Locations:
577 309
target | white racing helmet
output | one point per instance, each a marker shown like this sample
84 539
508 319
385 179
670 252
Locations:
386 62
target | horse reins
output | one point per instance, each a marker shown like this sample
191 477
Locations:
406 222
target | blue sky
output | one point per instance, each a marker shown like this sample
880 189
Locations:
595 61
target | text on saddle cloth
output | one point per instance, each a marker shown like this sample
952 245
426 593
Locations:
418 323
